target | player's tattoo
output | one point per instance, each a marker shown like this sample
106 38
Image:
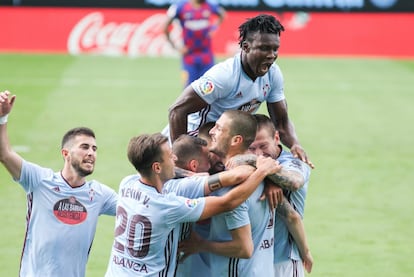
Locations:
181 173
284 209
214 182
286 179
242 159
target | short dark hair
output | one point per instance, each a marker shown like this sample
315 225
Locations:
262 23
144 150
244 124
264 122
187 148
72 133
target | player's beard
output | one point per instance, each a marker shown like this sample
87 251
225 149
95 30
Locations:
220 150
81 171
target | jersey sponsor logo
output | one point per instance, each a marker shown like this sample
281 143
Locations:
191 203
70 211
206 86
129 264
250 107
266 244
197 24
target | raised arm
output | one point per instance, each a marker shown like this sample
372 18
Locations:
188 102
9 158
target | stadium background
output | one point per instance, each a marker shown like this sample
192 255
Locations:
349 71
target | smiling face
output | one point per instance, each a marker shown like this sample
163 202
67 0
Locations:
220 136
260 50
80 153
265 144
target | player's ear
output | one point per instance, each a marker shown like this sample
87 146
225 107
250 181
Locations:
64 152
245 46
237 139
277 137
193 165
156 167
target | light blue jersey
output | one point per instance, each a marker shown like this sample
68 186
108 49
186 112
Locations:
196 264
61 222
147 229
226 86
261 218
285 247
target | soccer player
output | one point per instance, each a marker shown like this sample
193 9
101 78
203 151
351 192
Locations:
148 220
241 240
196 20
242 82
294 179
62 207
193 155
216 165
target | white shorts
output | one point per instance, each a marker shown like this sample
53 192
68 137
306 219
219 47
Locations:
290 268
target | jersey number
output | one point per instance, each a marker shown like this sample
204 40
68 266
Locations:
138 234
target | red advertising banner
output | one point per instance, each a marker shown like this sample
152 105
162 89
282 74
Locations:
137 32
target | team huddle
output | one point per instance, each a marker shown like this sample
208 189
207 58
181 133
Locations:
214 193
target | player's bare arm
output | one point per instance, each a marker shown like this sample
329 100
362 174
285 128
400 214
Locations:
9 158
182 173
240 246
285 179
188 102
240 193
296 228
227 178
278 112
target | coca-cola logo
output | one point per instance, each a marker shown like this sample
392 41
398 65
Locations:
93 35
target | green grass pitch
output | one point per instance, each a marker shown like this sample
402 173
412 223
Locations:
352 115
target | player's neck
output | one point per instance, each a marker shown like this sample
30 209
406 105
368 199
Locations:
73 180
151 183
246 68
233 153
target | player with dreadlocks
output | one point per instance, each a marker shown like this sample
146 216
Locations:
242 82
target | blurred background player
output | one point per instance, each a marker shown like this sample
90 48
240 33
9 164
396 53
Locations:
196 20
